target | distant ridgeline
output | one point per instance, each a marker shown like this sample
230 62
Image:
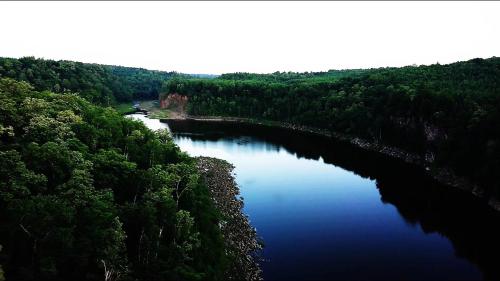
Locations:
103 84
447 114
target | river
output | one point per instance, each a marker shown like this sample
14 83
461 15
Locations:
327 210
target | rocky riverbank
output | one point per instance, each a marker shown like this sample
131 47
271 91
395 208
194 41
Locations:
444 175
240 237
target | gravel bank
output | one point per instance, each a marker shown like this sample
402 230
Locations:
240 237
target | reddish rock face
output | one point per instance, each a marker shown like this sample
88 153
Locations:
174 101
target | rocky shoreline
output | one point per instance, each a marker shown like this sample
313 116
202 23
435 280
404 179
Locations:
443 175
240 237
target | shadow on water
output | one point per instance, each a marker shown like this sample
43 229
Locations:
471 226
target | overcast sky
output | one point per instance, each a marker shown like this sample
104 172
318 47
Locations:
220 37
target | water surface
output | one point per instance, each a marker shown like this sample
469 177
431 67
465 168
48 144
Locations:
326 210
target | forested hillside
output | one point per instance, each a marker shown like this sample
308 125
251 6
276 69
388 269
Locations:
85 192
448 114
103 84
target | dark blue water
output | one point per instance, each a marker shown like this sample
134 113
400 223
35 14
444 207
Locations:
329 211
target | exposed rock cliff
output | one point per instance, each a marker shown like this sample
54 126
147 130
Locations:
174 101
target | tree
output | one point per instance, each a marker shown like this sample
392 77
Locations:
88 194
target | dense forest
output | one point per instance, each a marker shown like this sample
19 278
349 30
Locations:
88 194
447 114
103 84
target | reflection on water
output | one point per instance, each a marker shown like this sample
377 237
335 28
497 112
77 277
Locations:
327 210
153 124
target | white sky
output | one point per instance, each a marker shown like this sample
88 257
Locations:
220 37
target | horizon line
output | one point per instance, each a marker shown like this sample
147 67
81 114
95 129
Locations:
262 73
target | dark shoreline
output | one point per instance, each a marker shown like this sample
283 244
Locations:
242 243
443 175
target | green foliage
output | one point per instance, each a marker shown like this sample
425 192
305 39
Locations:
86 193
103 84
448 114
124 108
